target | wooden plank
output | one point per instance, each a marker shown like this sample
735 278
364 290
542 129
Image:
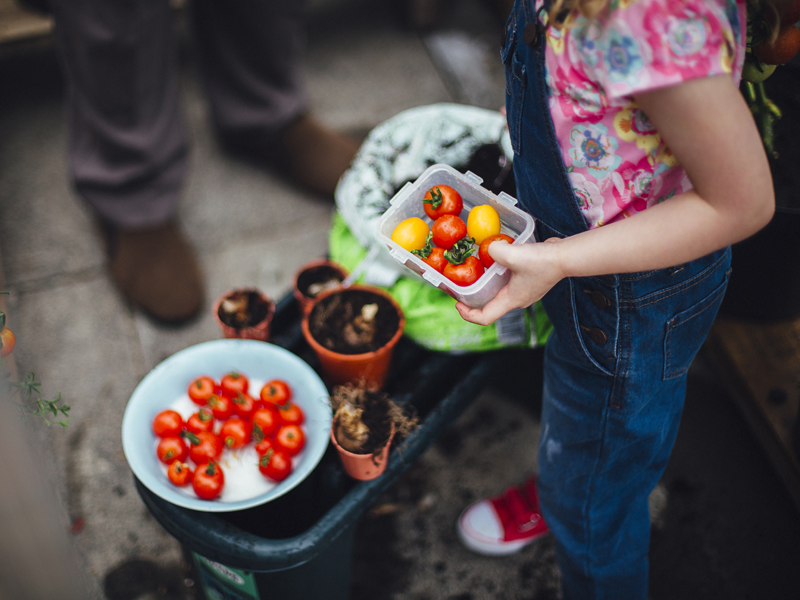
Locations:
20 24
760 366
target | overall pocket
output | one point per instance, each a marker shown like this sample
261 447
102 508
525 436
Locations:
686 331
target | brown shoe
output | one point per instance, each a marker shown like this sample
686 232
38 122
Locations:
317 156
157 269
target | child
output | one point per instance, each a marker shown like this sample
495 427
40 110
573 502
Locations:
640 161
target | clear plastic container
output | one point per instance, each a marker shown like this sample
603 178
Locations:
408 203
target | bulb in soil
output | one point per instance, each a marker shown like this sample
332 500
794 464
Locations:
362 329
351 432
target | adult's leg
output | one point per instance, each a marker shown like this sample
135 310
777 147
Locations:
127 150
250 54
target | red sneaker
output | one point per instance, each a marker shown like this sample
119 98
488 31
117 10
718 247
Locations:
503 524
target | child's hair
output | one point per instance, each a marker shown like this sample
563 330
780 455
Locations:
561 12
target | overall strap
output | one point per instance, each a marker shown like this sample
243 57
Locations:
544 187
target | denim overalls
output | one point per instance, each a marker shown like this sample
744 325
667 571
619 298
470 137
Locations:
615 364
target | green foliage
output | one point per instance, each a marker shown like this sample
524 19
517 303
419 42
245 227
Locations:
27 396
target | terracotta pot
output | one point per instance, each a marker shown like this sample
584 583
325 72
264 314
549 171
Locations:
257 331
308 273
363 466
338 368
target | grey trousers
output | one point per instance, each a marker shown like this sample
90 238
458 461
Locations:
127 145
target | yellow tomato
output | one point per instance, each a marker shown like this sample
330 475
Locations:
482 222
411 233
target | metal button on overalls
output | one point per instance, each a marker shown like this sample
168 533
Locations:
598 336
599 299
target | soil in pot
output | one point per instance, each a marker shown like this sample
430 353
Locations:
243 309
363 418
353 322
313 281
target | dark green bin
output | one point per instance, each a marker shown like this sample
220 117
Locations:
299 546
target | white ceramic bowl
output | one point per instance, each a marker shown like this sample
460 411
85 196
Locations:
166 387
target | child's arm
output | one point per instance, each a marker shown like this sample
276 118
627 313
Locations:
708 127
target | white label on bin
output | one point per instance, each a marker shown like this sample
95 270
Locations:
511 327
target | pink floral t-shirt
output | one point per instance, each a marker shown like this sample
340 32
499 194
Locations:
615 159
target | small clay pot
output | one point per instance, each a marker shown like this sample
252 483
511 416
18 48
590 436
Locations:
338 367
363 466
315 272
244 313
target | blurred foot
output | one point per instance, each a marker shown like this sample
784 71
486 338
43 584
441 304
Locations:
317 156
157 269
503 524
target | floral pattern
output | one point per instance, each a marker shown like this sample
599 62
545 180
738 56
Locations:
615 158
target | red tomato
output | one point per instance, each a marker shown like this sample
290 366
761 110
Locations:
171 448
179 473
168 423
483 249
202 420
442 200
204 446
276 391
447 230
436 258
291 439
275 465
208 480
7 341
235 433
291 414
233 384
268 443
244 405
221 407
266 421
466 273
201 389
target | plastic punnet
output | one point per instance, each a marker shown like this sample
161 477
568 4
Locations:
408 203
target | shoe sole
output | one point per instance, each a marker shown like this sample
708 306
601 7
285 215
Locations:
493 549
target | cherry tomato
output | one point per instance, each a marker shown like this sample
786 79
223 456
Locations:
244 405
204 446
179 473
482 222
276 391
275 465
442 200
235 433
202 420
233 384
782 50
291 439
265 445
266 421
200 389
483 249
171 448
7 342
291 414
447 230
411 233
168 423
208 480
221 406
436 258
466 273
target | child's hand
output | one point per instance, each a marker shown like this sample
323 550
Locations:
534 270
